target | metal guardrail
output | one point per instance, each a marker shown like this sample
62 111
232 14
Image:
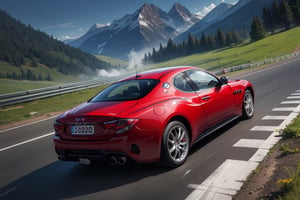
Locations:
35 94
250 65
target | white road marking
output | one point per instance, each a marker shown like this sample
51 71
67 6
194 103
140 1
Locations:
28 124
186 173
290 102
293 97
228 178
284 109
274 117
264 128
249 143
296 94
224 182
259 155
26 141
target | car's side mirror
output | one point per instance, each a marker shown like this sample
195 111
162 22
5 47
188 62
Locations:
223 80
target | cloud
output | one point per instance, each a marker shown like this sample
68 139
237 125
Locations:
67 37
206 10
65 25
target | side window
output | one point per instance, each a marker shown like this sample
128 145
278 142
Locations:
202 79
181 83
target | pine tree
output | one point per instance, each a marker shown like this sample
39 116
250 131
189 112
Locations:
220 39
203 42
267 19
229 38
257 30
49 78
287 15
191 44
276 14
29 75
170 50
236 37
295 6
211 42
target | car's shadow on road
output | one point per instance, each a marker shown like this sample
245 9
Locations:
60 180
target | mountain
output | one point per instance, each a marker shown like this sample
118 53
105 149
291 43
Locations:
21 44
182 17
234 17
146 27
217 14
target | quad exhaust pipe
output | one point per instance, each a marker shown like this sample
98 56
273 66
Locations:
118 159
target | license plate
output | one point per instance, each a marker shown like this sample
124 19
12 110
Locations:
82 130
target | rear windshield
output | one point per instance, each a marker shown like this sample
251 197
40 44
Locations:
126 90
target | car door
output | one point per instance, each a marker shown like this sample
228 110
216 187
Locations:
193 107
217 100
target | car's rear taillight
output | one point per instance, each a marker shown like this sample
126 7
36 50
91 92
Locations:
120 125
58 127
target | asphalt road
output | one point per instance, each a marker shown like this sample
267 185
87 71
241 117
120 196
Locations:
29 168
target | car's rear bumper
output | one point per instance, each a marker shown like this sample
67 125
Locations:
140 148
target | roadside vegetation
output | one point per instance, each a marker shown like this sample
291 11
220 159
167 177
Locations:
276 45
279 16
278 175
19 112
290 186
273 46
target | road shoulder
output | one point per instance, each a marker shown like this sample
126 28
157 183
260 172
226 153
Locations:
263 182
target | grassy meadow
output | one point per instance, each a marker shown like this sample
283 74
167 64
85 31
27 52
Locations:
272 46
18 112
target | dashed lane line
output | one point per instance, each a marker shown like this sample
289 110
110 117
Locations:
21 126
296 94
224 182
284 109
293 97
290 102
249 143
264 128
26 141
274 117
228 178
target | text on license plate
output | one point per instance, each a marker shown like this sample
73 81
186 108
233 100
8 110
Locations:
82 130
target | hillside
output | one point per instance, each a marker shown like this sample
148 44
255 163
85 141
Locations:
22 45
269 47
237 17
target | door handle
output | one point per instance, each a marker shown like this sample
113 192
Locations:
205 98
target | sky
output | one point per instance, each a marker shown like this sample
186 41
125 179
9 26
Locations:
69 19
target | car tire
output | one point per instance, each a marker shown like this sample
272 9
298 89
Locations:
175 144
248 105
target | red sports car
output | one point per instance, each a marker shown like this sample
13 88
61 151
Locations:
153 116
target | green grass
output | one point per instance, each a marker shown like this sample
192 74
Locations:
291 185
40 69
113 61
292 130
276 45
272 46
14 113
8 85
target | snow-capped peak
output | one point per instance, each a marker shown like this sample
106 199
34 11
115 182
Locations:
97 26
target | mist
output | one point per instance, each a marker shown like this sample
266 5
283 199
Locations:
135 64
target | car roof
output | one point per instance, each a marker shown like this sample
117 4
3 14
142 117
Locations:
159 72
